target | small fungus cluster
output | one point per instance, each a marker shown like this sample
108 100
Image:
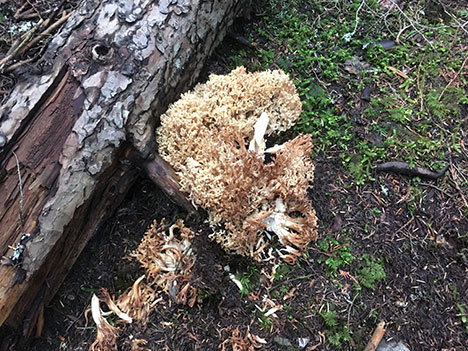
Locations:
213 137
167 258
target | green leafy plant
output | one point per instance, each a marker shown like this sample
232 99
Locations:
407 116
248 278
370 272
463 315
281 271
338 255
446 105
329 318
263 321
336 331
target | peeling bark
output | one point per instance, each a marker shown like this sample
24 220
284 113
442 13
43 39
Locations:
94 98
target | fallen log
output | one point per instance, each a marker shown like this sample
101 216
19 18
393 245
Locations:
71 128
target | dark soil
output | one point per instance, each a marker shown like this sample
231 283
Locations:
420 237
426 275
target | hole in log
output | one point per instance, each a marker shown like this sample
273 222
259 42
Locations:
102 52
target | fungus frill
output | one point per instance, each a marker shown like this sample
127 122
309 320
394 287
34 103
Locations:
213 138
168 260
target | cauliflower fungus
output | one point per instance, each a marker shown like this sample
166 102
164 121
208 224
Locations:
213 138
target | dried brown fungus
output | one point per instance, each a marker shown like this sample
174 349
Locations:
213 137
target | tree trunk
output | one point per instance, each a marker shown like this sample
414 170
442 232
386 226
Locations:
69 131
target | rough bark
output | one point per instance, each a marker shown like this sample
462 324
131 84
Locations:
93 99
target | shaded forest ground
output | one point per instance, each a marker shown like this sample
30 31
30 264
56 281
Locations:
380 81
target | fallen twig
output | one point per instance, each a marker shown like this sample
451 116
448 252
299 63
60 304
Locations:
20 185
46 32
14 66
18 45
453 79
20 10
457 186
28 14
24 43
376 337
348 36
413 24
405 169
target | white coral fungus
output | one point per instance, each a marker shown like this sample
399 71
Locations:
214 139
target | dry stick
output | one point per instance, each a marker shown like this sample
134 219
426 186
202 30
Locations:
18 45
413 25
20 183
397 39
348 36
28 14
460 25
34 8
437 188
455 182
46 32
14 66
20 10
376 337
453 79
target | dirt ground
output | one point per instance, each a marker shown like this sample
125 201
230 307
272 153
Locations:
417 230
424 275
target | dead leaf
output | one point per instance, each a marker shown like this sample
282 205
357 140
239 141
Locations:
451 78
397 71
348 275
386 4
355 65
336 225
289 294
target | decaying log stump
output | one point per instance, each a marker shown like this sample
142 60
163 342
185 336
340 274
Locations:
69 129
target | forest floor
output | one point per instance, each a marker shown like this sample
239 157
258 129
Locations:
380 81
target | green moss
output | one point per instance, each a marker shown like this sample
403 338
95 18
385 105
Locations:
407 111
336 331
370 272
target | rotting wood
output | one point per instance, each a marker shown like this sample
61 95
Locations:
92 100
376 337
161 173
406 169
